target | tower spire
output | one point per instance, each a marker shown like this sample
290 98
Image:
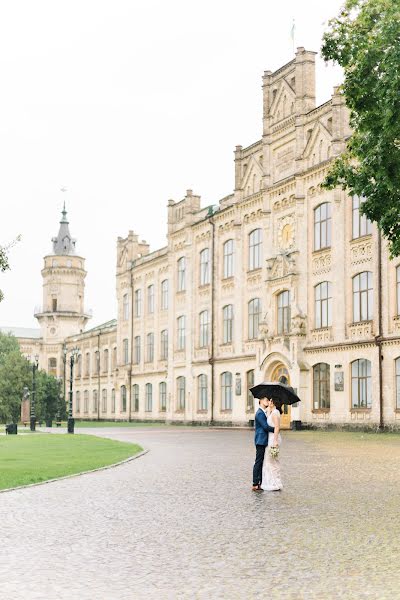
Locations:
63 243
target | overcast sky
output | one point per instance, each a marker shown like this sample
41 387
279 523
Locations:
128 103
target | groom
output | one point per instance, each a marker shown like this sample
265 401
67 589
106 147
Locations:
261 441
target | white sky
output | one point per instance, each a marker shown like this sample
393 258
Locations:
128 103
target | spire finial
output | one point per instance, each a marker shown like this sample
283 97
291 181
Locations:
64 211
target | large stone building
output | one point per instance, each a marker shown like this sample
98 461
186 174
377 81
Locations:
281 277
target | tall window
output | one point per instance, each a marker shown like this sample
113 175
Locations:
284 312
322 226
135 398
204 266
323 305
203 392
226 391
321 387
113 401
123 398
86 401
164 344
79 366
227 321
181 332
164 294
148 397
114 358
150 347
137 349
150 299
182 274
361 392
254 314
52 370
363 299
104 401
255 250
78 402
97 362
163 396
125 307
397 362
204 328
105 361
181 393
361 225
87 365
228 258
398 288
250 384
125 351
138 303
95 401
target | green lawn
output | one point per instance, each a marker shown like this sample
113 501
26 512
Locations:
29 458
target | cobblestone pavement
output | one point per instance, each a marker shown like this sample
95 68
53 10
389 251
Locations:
181 522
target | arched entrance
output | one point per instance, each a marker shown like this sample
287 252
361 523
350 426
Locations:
280 372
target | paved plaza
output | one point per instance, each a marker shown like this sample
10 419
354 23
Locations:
182 522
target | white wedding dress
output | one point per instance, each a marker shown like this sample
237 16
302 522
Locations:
271 473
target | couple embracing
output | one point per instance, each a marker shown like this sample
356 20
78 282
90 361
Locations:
267 471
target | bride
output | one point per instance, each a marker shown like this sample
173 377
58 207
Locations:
271 475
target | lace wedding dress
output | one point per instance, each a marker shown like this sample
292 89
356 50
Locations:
271 473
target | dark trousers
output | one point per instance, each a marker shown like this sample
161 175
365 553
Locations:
258 465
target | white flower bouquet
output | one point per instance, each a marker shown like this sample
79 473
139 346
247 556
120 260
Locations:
274 451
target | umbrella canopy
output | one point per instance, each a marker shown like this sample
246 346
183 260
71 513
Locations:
275 389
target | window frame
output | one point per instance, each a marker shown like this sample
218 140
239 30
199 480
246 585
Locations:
181 274
360 224
202 392
204 328
227 324
181 332
364 382
255 249
228 259
162 394
321 383
283 313
253 318
363 297
181 393
205 270
323 224
323 305
226 391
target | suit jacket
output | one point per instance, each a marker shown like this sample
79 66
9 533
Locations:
261 429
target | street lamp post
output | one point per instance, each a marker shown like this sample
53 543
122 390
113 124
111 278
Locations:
35 365
59 401
71 420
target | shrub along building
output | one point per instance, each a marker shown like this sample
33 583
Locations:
280 278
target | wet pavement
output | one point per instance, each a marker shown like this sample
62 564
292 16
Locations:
182 522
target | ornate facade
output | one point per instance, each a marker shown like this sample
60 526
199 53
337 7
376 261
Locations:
280 278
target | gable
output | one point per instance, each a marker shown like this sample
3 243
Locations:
283 104
318 146
252 178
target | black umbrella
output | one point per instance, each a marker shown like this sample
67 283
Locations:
275 389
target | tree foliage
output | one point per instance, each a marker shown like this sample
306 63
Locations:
365 40
15 374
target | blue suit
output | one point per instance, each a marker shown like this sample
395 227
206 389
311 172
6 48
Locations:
261 441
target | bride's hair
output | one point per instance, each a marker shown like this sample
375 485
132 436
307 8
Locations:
278 404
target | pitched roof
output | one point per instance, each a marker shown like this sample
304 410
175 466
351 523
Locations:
22 332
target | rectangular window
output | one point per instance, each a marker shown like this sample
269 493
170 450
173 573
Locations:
228 259
181 332
203 392
181 274
87 369
164 345
137 349
138 303
204 327
254 314
227 319
97 362
323 305
105 361
163 396
125 351
255 250
150 347
284 313
104 401
150 299
114 358
164 294
181 393
250 384
363 299
149 397
135 398
361 225
78 402
113 401
86 401
205 266
321 387
322 226
361 387
125 307
226 391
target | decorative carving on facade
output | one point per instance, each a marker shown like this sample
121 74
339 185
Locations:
226 349
254 279
359 331
253 216
250 347
281 266
201 354
361 252
321 263
227 226
321 335
396 321
299 323
205 235
284 203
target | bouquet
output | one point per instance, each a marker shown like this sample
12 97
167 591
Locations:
274 451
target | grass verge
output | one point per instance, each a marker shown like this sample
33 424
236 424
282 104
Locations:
32 459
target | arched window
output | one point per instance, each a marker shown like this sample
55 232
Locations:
181 274
363 298
250 384
322 226
227 322
254 314
163 396
104 400
255 249
226 391
202 392
150 299
361 391
95 401
204 327
150 347
164 344
323 305
204 266
321 387
181 323
181 393
86 401
283 302
113 401
361 225
149 397
228 250
123 398
397 363
78 402
135 398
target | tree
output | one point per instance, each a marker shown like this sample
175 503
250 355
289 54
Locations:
365 40
4 265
